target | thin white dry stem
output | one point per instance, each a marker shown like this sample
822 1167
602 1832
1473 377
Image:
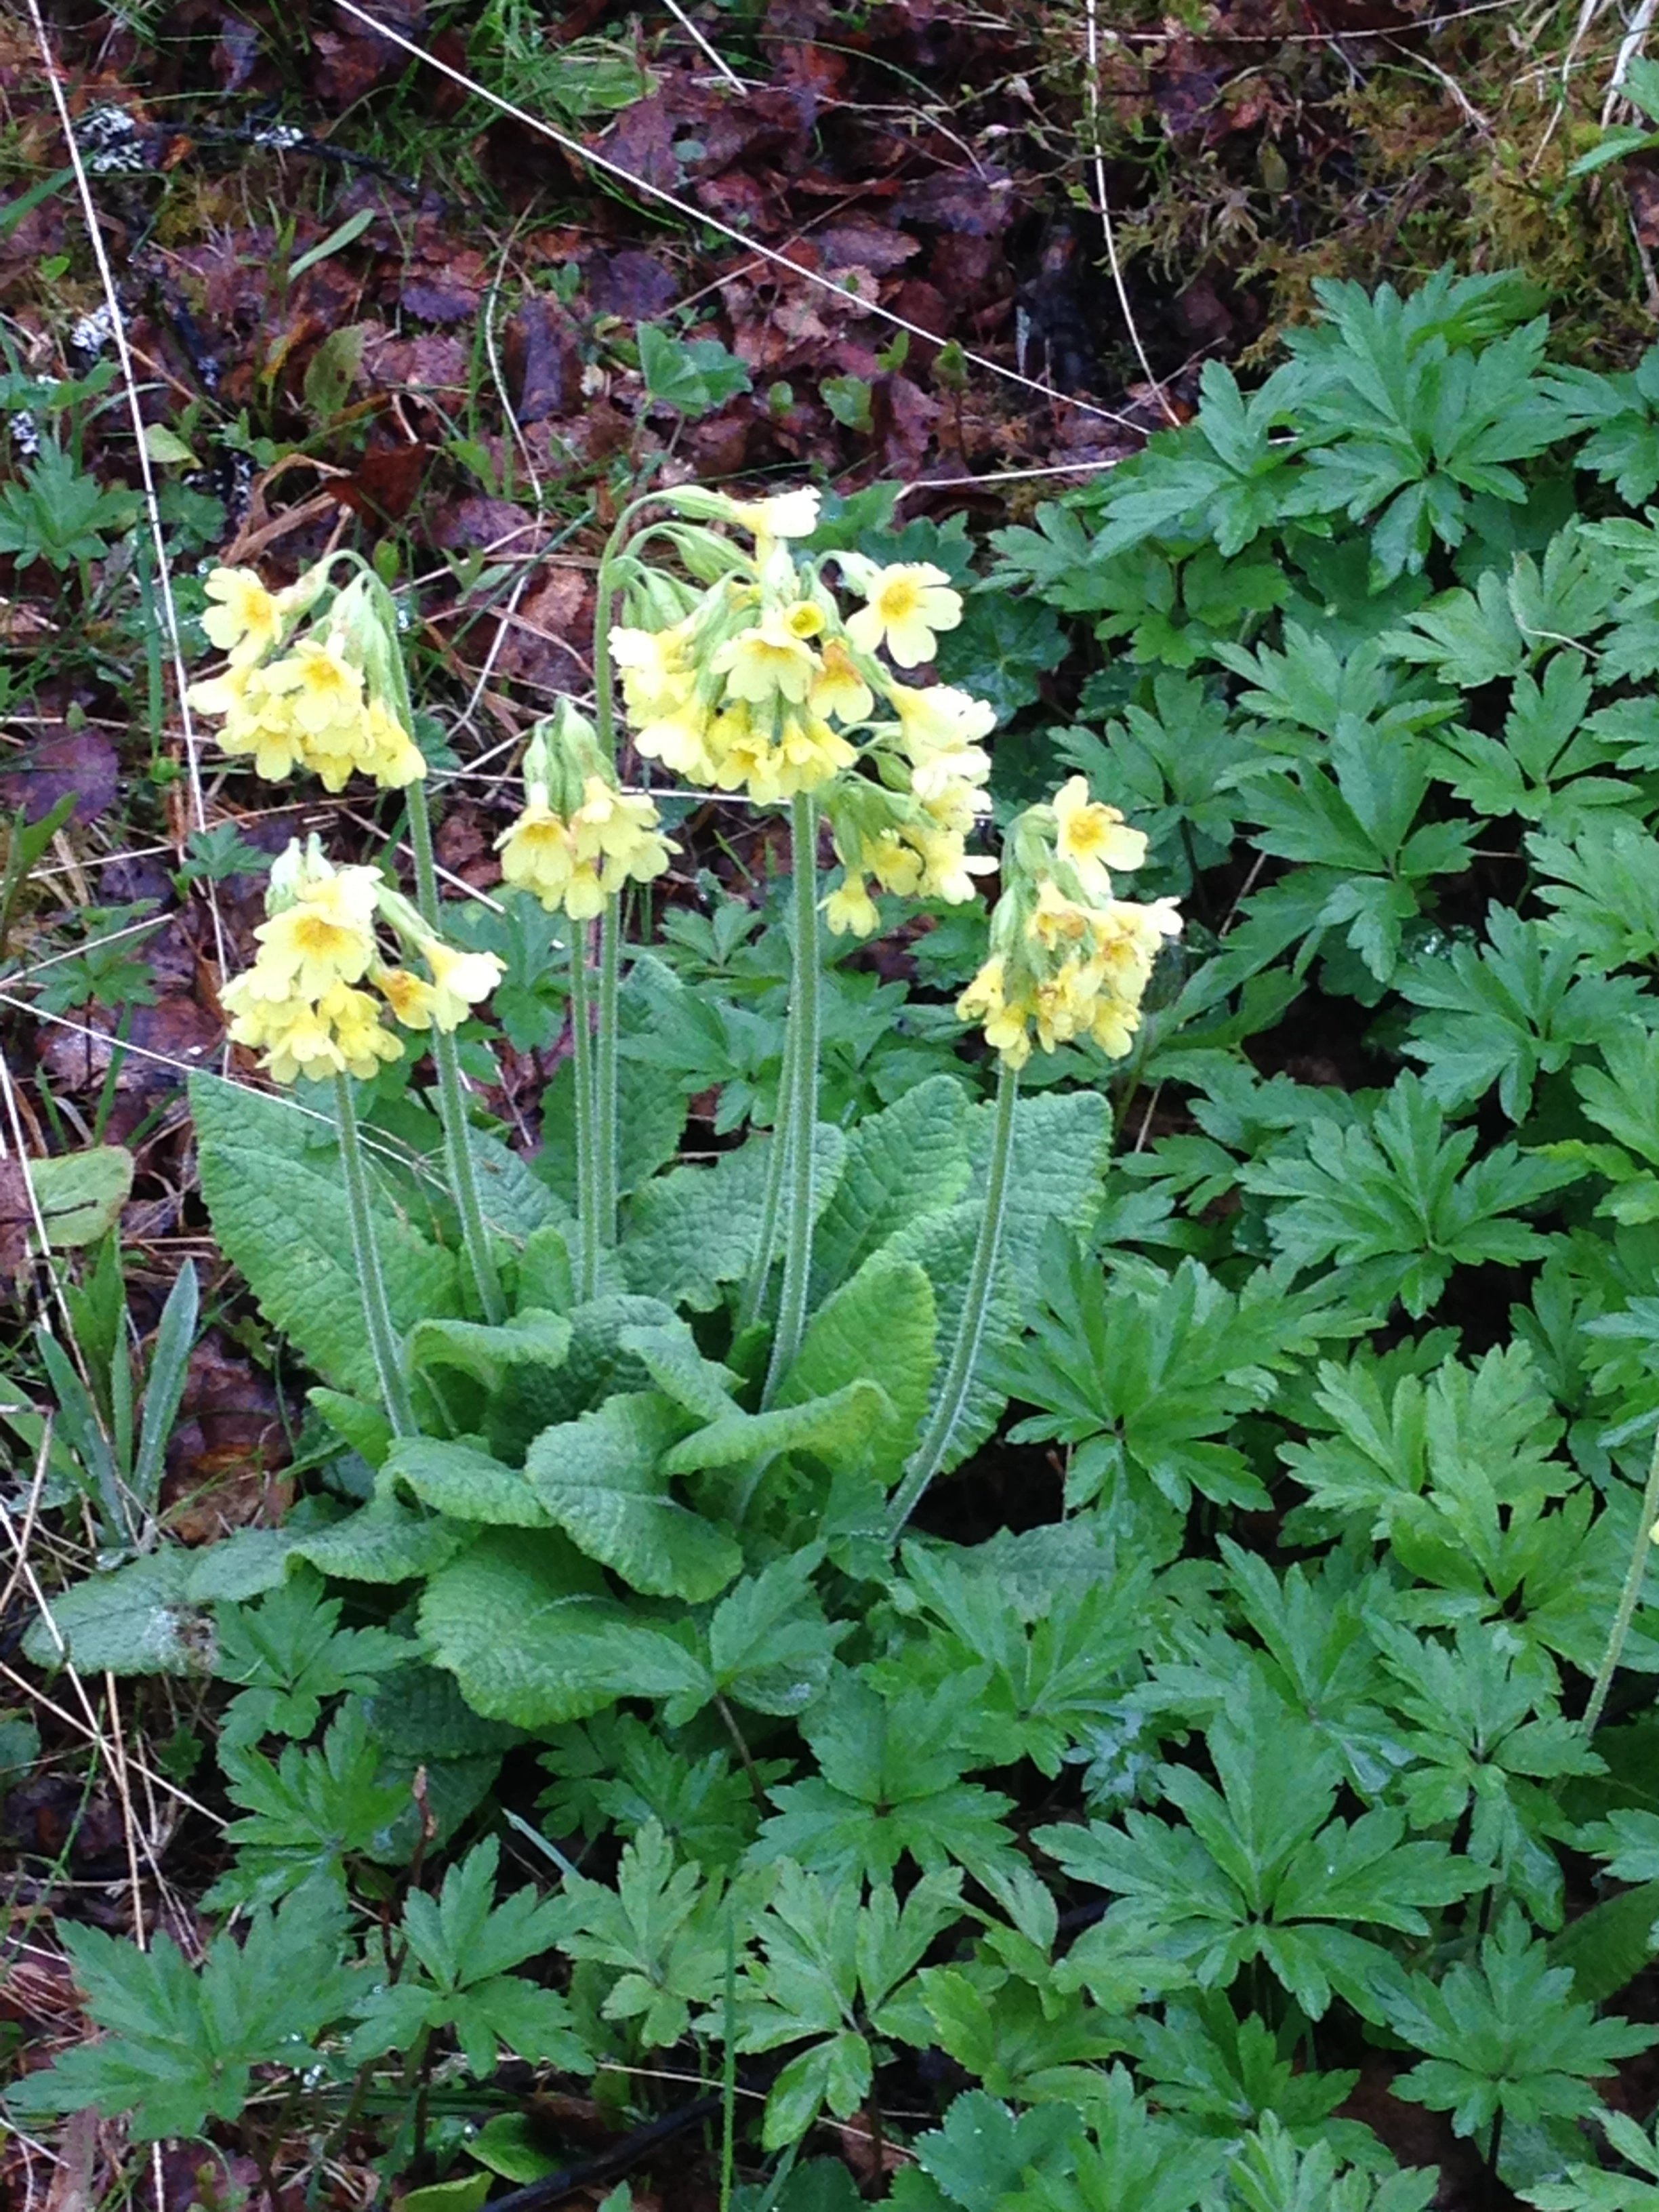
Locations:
129 1815
31 1509
1587 12
701 218
116 1763
93 1735
694 33
1103 208
1007 475
152 505
1460 100
1629 47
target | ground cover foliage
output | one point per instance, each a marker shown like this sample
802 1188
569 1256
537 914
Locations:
1223 1797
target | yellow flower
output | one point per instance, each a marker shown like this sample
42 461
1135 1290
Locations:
985 1001
360 1038
811 754
623 830
1094 838
585 893
850 910
460 981
409 996
948 870
905 605
786 514
326 937
684 741
538 853
1114 1026
328 691
655 669
257 721
838 689
897 866
940 718
766 663
747 755
392 756
248 619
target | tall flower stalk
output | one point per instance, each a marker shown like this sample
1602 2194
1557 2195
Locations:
330 696
1068 959
797 1129
576 842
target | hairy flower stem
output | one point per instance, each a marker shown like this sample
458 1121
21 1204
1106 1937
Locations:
602 1077
931 1452
606 1130
803 1094
377 1313
451 1096
1648 1516
588 1203
777 1168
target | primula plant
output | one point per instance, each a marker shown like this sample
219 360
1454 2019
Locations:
1020 1547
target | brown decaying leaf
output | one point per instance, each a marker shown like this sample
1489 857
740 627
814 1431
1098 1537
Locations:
82 761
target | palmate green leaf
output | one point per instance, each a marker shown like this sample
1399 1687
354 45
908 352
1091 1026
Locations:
279 1212
1142 1373
980 2153
1259 1870
1588 2189
1508 1012
1399 1205
768 1643
1132 2157
524 1623
1543 767
1505 625
462 1947
888 1786
1504 2035
1222 2070
307 1812
180 2044
666 1931
1274 2171
1619 412
1170 768
1603 884
1049 1678
603 1479
828 1966
288 1653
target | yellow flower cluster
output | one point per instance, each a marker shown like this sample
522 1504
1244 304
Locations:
1068 959
299 1005
579 838
319 702
760 685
